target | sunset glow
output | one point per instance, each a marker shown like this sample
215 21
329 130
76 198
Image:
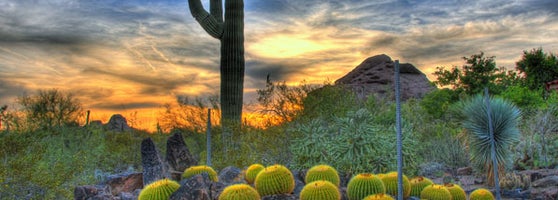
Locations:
135 56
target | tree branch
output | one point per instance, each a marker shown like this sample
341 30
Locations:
209 23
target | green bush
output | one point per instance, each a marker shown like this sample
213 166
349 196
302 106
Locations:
351 144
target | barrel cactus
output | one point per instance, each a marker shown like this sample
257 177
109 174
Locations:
275 179
435 192
481 194
322 172
320 190
363 185
390 181
159 190
194 170
380 196
418 183
457 192
239 192
252 172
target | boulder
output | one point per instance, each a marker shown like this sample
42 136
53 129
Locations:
127 182
279 197
465 171
153 167
178 155
375 76
117 123
299 185
198 187
87 192
231 175
549 181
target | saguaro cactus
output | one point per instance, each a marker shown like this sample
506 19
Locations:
230 32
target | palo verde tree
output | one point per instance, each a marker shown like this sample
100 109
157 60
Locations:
478 72
230 31
537 68
51 108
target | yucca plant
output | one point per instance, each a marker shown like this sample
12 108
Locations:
505 118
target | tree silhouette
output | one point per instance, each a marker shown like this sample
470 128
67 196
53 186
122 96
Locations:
230 31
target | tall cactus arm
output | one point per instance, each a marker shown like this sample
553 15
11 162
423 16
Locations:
209 23
216 9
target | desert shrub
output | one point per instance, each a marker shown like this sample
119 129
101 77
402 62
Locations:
50 163
351 144
538 146
50 108
437 102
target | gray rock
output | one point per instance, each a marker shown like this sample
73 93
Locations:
375 76
178 156
126 182
279 197
199 187
549 181
88 192
298 187
118 123
465 171
85 192
153 167
230 175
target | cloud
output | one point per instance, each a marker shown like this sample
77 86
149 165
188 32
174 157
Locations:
125 106
148 84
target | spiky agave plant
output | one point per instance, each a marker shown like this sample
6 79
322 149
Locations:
505 118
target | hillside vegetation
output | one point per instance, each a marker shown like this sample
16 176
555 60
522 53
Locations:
46 155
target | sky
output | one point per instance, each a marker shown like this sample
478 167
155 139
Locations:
125 56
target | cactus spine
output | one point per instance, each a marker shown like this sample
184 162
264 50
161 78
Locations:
159 190
390 181
380 196
275 179
194 170
418 183
363 185
435 192
252 172
322 172
320 190
481 194
239 192
230 32
457 193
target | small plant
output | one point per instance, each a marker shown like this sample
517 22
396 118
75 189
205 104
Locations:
390 181
252 172
457 193
435 192
322 172
363 185
514 181
418 183
275 179
320 190
381 196
159 190
239 192
195 170
481 194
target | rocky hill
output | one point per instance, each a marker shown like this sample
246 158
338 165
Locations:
375 76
